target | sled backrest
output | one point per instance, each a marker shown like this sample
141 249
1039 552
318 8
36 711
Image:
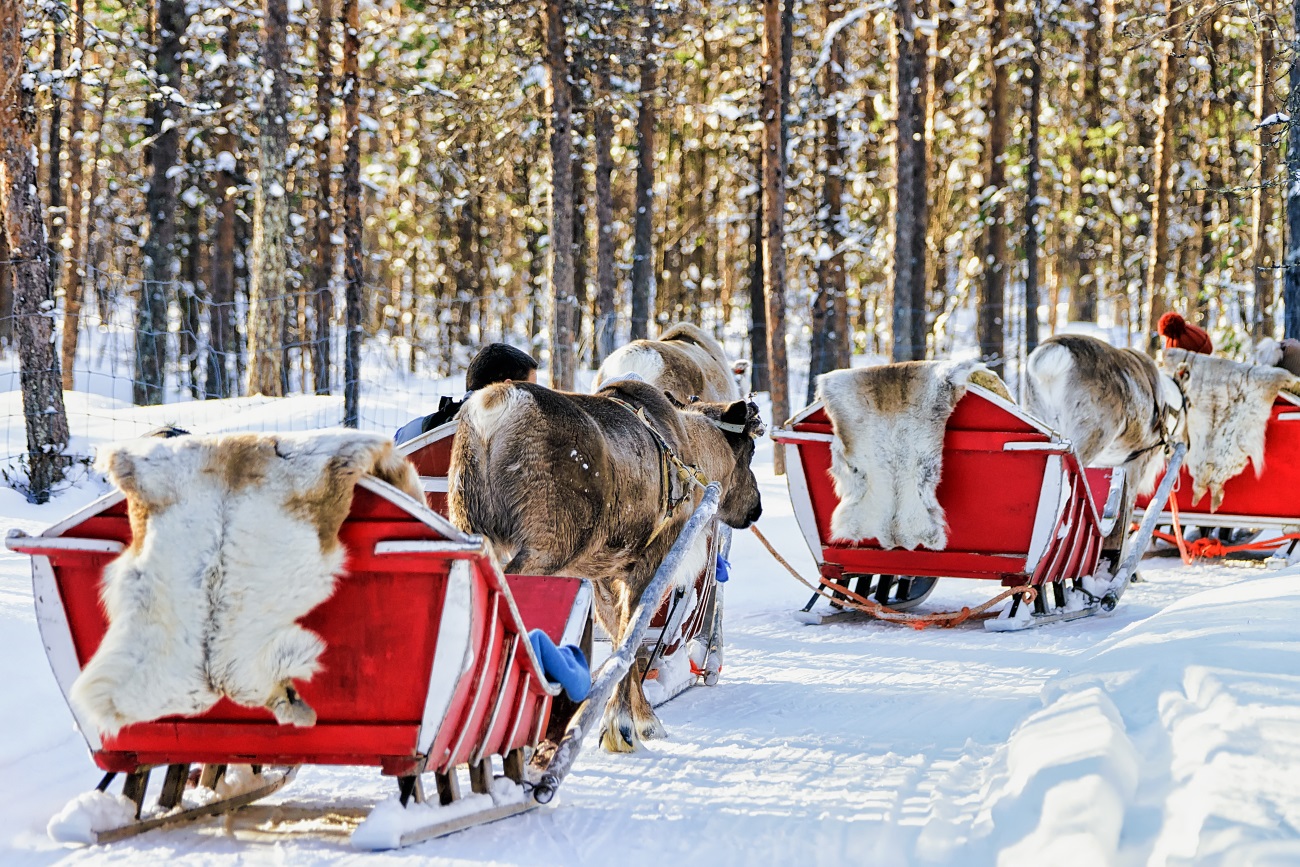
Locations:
430 452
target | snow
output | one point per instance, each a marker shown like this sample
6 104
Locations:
1166 733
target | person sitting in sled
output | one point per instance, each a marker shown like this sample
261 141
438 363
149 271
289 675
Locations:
496 362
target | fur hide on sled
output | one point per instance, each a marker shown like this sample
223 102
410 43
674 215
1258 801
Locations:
887 455
234 538
1228 407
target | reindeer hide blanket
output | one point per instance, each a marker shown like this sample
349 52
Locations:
234 538
1228 407
887 455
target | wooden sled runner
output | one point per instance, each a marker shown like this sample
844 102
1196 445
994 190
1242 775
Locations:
1020 510
683 645
1265 503
428 675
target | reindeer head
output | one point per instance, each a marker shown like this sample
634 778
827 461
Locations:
740 424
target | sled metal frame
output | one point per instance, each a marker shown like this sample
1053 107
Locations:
1052 546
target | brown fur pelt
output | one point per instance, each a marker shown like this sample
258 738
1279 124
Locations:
1112 404
234 538
1228 407
887 456
571 484
685 362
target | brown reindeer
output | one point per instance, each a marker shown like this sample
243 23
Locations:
580 485
685 362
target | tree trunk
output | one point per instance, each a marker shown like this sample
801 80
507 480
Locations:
1262 254
324 265
830 307
352 226
58 216
910 187
266 290
993 287
38 366
603 130
581 245
76 138
561 189
774 217
759 380
1083 295
222 330
159 255
1158 264
643 257
1291 288
1031 185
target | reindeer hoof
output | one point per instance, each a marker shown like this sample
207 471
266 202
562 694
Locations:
651 729
622 742
619 734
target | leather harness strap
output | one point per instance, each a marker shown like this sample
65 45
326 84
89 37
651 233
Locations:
686 473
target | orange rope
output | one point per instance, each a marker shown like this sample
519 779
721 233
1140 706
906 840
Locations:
1207 548
946 619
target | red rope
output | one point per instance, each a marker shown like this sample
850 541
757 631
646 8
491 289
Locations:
1207 548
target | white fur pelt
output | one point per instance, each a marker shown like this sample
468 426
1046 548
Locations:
234 539
887 455
1228 407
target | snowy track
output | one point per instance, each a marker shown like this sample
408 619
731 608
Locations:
1100 741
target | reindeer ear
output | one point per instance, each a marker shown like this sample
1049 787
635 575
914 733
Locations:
674 401
737 413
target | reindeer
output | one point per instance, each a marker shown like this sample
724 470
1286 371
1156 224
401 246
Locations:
685 362
586 485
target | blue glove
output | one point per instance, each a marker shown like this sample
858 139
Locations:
564 665
724 570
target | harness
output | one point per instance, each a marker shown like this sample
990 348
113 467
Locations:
687 474
1165 427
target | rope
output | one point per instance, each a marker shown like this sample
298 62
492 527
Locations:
946 619
1209 549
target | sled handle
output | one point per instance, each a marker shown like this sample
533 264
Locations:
426 546
22 543
785 435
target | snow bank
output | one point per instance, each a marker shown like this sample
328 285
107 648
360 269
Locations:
1068 775
1175 742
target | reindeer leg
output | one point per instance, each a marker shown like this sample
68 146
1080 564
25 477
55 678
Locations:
628 716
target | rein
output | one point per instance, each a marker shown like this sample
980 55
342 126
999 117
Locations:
688 474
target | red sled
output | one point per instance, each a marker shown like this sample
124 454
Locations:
683 646
1254 500
428 674
1020 510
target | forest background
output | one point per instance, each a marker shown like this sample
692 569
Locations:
253 191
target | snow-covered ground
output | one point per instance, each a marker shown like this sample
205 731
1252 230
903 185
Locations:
1167 733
